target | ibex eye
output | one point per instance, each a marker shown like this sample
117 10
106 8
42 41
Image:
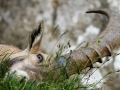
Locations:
40 57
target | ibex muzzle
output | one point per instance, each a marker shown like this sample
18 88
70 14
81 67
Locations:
33 64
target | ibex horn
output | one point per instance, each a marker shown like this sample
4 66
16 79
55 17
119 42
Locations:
100 47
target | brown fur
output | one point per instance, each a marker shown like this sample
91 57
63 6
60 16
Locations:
26 63
6 51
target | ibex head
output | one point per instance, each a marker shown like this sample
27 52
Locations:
31 61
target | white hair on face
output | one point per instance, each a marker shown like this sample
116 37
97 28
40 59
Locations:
18 74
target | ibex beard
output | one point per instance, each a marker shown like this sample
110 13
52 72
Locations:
30 63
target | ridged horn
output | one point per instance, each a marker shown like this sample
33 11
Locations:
102 46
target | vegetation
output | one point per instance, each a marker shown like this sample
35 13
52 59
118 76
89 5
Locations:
59 82
7 82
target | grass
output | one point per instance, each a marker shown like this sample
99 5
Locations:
60 82
73 83
13 84
9 83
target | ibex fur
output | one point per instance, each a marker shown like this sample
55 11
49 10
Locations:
26 63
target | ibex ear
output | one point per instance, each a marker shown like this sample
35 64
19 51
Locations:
36 38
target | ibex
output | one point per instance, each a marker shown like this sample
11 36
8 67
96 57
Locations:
31 63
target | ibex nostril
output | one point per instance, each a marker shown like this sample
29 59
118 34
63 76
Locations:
40 57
